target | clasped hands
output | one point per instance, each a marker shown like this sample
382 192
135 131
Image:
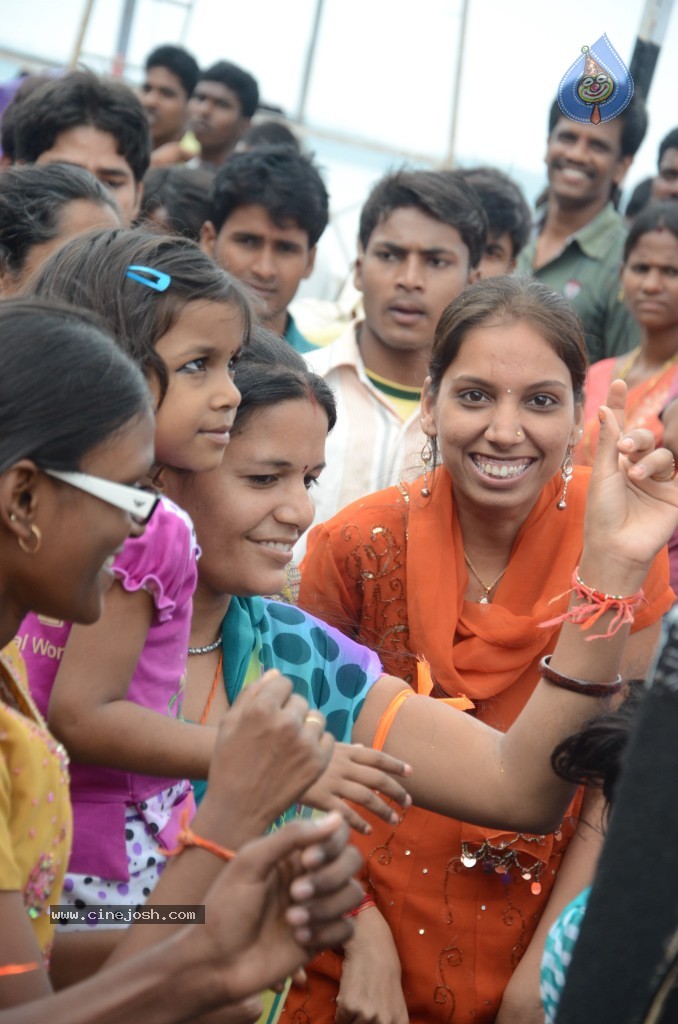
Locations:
284 896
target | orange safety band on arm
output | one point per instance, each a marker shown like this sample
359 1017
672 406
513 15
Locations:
387 719
461 703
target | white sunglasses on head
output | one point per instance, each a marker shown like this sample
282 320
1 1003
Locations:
139 503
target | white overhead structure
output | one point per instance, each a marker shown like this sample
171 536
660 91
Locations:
373 84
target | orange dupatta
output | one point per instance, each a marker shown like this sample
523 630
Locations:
485 650
389 570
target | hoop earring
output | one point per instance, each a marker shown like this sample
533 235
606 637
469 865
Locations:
566 472
427 459
36 535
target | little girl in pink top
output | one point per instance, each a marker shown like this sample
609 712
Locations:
112 691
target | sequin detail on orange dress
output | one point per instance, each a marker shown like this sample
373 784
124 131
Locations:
391 573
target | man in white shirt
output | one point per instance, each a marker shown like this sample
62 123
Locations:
421 237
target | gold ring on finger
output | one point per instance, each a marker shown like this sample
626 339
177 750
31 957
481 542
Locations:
315 716
672 474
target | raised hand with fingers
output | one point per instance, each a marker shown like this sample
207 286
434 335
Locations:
632 508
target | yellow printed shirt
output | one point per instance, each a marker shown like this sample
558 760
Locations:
35 809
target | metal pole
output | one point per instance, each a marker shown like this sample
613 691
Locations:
80 38
310 58
452 139
187 21
124 33
648 43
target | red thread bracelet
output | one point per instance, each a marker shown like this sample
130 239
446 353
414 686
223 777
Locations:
365 902
596 605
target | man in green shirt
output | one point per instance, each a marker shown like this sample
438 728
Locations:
578 248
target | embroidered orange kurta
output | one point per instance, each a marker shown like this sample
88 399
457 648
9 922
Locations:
390 571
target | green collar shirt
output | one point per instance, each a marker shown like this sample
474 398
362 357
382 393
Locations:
587 272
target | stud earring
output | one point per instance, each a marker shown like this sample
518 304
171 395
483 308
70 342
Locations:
519 433
427 459
566 472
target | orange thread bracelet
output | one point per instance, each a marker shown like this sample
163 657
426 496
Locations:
187 837
8 969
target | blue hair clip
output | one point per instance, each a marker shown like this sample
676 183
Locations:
156 279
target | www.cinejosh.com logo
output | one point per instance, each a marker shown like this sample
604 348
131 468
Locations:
597 87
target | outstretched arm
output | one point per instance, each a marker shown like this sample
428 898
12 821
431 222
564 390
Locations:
467 770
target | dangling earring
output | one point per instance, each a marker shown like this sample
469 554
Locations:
427 459
566 473
36 535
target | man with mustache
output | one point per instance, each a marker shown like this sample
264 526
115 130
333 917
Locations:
578 248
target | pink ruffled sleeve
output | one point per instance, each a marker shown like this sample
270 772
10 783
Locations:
162 561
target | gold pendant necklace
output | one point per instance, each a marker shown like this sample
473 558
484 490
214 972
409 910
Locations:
485 599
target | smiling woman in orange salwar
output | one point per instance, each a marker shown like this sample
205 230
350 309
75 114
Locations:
459 569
